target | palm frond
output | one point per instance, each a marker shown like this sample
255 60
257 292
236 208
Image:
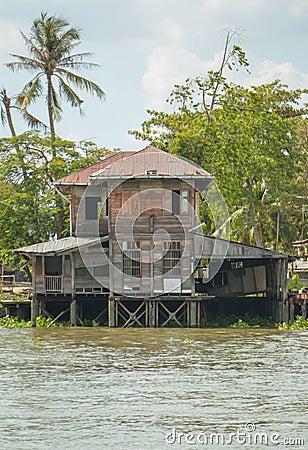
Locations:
3 117
56 106
67 92
33 122
78 65
76 57
83 83
23 62
33 49
30 92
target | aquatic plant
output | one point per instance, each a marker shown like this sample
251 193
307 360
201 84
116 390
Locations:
13 322
234 321
298 324
42 321
240 324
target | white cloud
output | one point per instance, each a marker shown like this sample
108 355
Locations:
299 8
172 29
9 36
169 65
286 72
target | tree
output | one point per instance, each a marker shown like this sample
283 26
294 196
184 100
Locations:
249 139
30 205
50 56
6 115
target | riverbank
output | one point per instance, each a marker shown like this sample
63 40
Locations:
221 322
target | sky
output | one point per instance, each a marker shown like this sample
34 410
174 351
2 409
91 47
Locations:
144 47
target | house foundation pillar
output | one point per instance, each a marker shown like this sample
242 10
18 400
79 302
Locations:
34 310
73 312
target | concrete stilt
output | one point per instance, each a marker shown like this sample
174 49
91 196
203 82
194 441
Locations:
34 310
111 312
193 316
152 314
73 312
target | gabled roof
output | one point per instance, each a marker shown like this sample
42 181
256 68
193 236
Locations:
149 161
83 175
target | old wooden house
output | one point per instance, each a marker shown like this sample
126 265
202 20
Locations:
136 256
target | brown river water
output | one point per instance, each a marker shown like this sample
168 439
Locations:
100 388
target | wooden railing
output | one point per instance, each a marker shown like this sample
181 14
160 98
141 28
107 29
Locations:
53 283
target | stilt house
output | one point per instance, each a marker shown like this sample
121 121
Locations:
136 254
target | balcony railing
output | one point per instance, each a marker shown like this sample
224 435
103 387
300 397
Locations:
53 283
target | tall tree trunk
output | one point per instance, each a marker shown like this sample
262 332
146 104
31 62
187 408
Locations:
50 112
7 105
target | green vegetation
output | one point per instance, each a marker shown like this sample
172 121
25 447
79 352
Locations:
295 283
13 322
50 46
232 321
298 324
32 210
253 140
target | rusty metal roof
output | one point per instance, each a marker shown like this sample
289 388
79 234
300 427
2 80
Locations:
83 175
149 161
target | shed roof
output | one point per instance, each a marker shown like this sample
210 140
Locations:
149 161
59 246
213 247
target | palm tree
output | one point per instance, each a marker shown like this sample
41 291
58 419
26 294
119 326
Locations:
6 105
50 48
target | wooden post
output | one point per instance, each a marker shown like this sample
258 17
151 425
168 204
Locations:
304 310
285 312
280 312
34 310
18 312
111 311
73 312
292 312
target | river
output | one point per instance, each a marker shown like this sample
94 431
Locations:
100 388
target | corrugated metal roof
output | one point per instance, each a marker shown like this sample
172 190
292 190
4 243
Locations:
151 161
83 176
147 161
233 250
59 246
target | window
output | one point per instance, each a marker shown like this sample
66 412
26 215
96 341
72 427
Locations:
184 202
196 203
172 256
180 201
131 259
39 265
96 208
176 202
67 265
93 207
